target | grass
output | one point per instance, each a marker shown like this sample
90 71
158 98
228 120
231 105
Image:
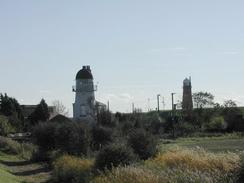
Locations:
225 143
15 169
15 164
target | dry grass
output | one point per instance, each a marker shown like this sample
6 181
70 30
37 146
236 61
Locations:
72 169
197 160
129 174
178 165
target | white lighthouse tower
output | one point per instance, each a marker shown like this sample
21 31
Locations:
84 106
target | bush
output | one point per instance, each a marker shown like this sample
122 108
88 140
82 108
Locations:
71 138
114 155
10 146
241 172
43 136
143 143
216 124
66 137
5 126
71 169
101 136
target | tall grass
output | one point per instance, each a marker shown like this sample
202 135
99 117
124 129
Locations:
197 159
178 165
24 150
72 169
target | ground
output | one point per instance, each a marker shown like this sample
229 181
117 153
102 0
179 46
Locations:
13 169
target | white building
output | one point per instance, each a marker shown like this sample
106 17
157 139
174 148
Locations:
84 106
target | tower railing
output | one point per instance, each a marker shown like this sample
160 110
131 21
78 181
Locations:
90 88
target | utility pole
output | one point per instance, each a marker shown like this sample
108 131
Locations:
158 95
133 107
148 103
108 105
172 95
173 115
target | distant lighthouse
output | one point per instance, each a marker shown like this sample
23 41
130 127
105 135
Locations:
84 106
187 104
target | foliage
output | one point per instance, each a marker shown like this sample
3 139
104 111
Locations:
114 155
217 124
104 117
233 116
41 113
5 126
43 135
67 137
71 138
197 159
143 143
101 136
203 99
72 169
10 146
129 174
241 172
9 106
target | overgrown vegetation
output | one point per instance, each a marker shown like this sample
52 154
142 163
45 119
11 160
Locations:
72 169
125 147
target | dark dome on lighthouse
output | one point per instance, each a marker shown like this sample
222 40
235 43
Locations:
84 73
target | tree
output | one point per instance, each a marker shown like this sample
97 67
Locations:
203 99
41 113
60 108
233 116
229 104
9 106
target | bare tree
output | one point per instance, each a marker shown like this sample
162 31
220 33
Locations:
60 108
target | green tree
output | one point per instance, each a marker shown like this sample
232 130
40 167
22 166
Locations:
233 116
203 99
9 106
41 113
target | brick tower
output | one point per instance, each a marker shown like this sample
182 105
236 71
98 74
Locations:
187 104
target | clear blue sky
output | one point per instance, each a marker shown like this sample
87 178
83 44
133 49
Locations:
136 49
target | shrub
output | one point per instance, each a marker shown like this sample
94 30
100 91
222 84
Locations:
114 155
101 136
216 124
241 172
5 126
43 136
143 143
72 169
10 146
71 138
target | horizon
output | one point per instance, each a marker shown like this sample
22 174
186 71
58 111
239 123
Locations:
136 50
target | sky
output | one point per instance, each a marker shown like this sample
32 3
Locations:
136 49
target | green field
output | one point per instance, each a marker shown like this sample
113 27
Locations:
14 169
225 143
